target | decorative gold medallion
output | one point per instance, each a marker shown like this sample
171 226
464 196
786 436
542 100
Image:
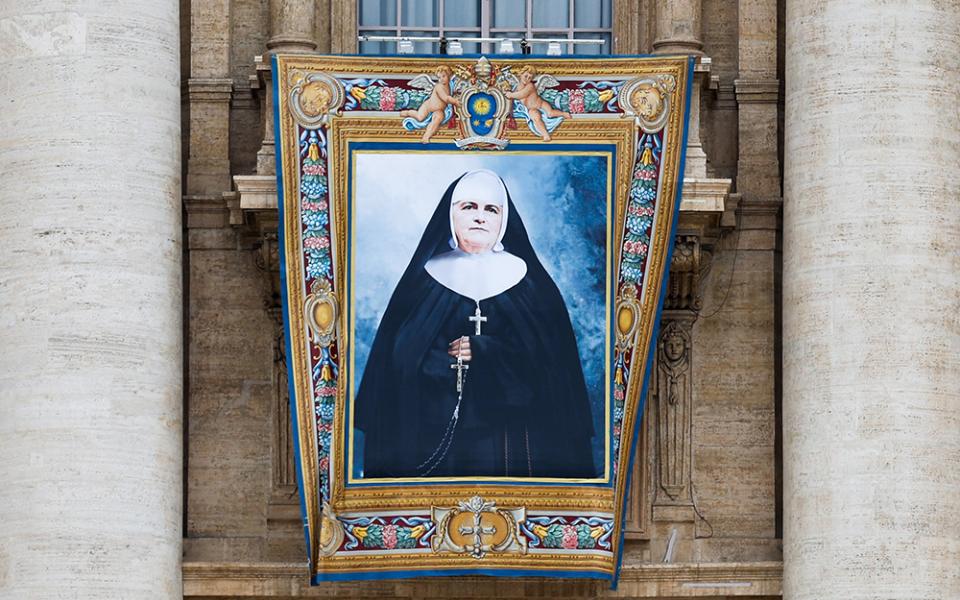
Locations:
314 97
628 313
331 532
320 310
648 100
477 527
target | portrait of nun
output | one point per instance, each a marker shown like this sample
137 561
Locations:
474 368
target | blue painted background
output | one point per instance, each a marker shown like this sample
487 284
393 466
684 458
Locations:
562 202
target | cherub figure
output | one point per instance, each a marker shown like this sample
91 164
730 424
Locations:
648 102
315 99
436 104
528 90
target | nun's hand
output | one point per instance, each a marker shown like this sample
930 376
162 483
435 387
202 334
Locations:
460 347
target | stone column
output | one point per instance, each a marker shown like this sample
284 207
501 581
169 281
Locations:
679 31
90 300
292 25
758 92
209 90
870 301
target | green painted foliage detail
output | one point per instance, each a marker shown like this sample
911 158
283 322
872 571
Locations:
392 98
374 537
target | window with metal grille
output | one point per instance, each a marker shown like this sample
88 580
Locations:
530 19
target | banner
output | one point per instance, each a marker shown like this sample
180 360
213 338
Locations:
474 253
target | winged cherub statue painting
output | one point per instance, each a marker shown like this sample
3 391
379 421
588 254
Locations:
527 91
434 106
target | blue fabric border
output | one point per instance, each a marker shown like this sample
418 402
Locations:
355 576
381 575
678 195
292 391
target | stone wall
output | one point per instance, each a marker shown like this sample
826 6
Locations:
242 524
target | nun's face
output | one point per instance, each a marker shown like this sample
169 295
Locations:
477 225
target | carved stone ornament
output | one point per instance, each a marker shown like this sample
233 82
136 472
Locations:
674 395
683 286
313 97
477 527
648 100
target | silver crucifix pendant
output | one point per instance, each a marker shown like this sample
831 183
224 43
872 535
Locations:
460 367
477 319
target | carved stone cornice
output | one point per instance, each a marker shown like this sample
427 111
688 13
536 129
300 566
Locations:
726 97
702 205
757 91
209 89
253 212
257 199
245 98
283 580
205 212
761 207
701 73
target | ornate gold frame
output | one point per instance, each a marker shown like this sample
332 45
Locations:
619 130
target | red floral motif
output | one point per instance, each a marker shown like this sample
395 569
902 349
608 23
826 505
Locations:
645 174
327 391
316 243
618 394
641 211
324 463
569 537
313 205
576 101
314 169
634 247
388 98
390 536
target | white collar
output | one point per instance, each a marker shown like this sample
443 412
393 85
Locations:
477 276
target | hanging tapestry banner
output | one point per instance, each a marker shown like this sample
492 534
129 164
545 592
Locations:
473 253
